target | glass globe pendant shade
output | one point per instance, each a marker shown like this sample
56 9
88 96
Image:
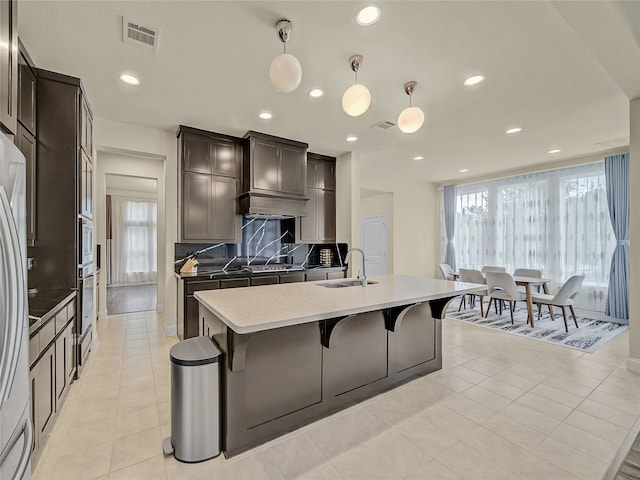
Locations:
356 100
285 73
411 119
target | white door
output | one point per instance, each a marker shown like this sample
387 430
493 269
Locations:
374 241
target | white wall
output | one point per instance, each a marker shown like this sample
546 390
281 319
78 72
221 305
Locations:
128 139
117 163
414 222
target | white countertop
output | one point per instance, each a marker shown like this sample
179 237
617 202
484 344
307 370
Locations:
252 309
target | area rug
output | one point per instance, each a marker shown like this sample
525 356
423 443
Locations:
591 335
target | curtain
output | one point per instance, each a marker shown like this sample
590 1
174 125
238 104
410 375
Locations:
449 205
555 221
617 177
134 243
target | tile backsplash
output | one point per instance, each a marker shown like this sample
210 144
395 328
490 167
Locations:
264 241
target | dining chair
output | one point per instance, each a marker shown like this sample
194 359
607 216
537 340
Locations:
528 272
489 268
473 276
501 286
563 298
446 271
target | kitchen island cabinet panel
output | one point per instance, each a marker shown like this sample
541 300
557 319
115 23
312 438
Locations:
366 341
413 343
282 374
359 354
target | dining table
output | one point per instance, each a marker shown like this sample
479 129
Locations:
527 283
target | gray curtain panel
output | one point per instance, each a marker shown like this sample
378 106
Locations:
617 174
449 199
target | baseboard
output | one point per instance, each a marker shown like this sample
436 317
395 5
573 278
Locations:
633 364
102 314
160 307
170 330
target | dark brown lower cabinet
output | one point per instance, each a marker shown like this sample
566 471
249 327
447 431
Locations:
266 280
45 393
70 365
61 361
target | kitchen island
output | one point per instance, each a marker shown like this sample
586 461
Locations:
298 352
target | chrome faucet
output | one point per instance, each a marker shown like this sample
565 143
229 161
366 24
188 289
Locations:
363 278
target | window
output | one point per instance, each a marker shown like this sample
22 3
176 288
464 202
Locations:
556 221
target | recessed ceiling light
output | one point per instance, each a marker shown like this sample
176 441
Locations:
315 93
265 115
513 130
555 150
129 79
418 157
368 15
471 81
352 138
464 170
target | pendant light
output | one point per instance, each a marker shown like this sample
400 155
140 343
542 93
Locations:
410 119
356 98
285 71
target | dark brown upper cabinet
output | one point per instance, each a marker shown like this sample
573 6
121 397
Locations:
26 143
211 155
319 224
9 66
26 92
275 165
208 165
86 127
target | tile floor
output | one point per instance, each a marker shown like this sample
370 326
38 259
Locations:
501 407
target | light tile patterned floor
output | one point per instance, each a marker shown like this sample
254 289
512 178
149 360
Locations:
501 407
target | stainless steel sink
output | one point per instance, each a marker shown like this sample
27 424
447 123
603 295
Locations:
346 283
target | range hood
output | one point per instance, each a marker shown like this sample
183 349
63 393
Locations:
274 180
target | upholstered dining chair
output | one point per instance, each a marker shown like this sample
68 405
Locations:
446 271
489 268
528 272
563 299
473 276
501 286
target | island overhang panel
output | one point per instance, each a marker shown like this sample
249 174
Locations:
298 352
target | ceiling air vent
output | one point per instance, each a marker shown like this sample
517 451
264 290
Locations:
384 125
146 37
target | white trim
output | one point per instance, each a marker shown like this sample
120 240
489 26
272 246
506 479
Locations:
160 307
102 314
633 364
170 330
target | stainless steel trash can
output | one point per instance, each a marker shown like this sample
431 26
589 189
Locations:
195 400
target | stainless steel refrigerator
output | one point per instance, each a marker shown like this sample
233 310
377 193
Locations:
15 425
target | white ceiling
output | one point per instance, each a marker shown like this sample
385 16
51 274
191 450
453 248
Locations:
211 72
